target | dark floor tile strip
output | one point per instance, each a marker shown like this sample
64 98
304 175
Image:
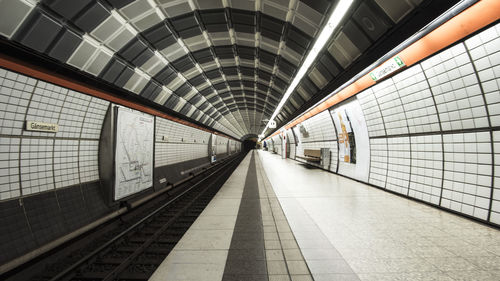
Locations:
246 258
338 261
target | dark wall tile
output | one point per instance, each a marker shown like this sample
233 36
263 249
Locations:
65 45
15 235
44 217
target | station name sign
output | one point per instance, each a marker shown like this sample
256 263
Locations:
41 127
387 68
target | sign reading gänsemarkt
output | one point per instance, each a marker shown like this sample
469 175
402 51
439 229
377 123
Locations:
41 127
387 68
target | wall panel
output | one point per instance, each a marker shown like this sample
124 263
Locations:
456 89
426 168
467 173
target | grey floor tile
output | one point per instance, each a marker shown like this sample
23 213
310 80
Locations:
249 235
293 255
271 236
289 244
272 244
187 272
236 267
302 277
192 256
244 277
279 277
245 254
276 267
274 255
245 244
297 267
286 235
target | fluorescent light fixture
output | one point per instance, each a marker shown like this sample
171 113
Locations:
327 31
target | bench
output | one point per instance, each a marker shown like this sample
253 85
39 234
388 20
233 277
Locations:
311 155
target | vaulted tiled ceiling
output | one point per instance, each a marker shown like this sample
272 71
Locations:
223 63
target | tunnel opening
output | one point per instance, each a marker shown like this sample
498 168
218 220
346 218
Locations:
249 144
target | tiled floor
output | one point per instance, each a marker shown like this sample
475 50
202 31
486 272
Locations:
348 230
285 261
243 234
202 252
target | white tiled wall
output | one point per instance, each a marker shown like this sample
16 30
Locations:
398 164
15 94
426 168
391 107
9 167
484 50
372 113
66 163
183 143
417 100
456 90
94 117
378 162
221 145
495 204
467 173
36 165
88 162
40 161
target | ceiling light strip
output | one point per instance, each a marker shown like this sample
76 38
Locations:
327 31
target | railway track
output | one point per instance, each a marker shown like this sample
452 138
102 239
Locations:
135 244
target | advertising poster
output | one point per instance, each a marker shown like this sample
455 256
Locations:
353 140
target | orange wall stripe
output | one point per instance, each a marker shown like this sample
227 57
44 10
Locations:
462 25
46 75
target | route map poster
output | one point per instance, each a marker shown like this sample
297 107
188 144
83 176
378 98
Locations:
134 152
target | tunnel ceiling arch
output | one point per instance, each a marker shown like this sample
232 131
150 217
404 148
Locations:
249 136
223 63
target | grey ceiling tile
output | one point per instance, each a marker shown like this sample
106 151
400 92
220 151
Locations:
91 17
243 4
13 13
177 9
38 31
65 45
68 9
209 4
82 54
135 9
148 21
106 28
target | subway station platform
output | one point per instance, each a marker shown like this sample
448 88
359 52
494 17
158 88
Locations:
277 219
